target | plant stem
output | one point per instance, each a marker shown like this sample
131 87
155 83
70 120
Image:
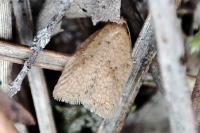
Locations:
39 42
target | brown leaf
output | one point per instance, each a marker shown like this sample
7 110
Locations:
95 75
6 126
15 111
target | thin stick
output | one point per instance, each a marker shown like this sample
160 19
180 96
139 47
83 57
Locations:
36 76
39 42
5 33
17 53
196 100
197 14
23 19
143 54
41 100
155 72
170 54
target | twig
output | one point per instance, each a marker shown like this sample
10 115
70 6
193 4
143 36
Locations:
143 54
42 103
50 8
170 53
23 19
197 14
5 33
16 53
6 67
5 19
155 72
39 42
36 78
196 100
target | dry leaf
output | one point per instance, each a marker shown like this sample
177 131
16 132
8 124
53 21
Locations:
95 75
15 111
98 10
6 125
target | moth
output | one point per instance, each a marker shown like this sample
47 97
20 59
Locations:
95 75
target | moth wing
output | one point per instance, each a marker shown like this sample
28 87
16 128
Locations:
96 74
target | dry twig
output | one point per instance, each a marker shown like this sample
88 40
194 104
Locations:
196 99
197 14
155 72
170 53
23 19
17 53
5 33
41 101
36 78
39 42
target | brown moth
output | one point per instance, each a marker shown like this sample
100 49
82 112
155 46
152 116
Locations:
95 75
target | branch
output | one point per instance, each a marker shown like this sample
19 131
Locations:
196 100
41 100
143 54
155 72
16 53
36 77
39 42
170 53
5 33
197 14
23 19
5 19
